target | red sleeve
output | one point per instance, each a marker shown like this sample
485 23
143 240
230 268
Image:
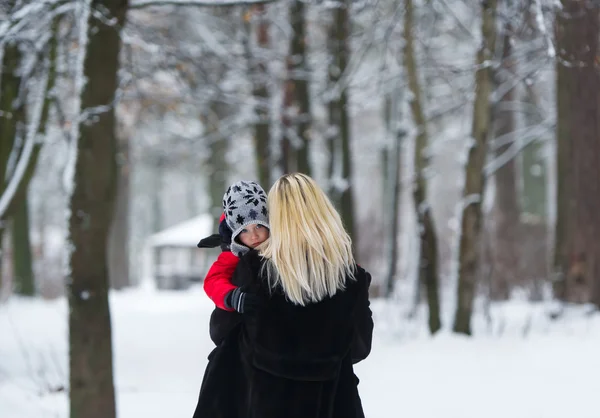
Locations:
217 282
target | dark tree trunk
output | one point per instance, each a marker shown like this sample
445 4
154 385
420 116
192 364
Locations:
18 208
428 253
260 75
577 248
21 246
392 187
296 103
217 165
118 242
11 114
92 205
339 122
474 186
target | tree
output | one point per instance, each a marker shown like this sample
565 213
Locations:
577 248
534 247
12 113
296 118
218 145
474 186
391 158
259 77
19 148
338 131
428 247
505 241
118 242
92 204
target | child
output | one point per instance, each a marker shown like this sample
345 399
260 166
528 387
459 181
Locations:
243 226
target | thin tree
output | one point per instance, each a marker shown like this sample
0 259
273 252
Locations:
428 246
18 143
296 118
505 241
391 159
118 242
259 77
474 186
339 135
218 145
12 114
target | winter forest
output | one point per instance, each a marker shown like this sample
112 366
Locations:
458 139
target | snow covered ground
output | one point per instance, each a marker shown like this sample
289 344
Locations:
523 365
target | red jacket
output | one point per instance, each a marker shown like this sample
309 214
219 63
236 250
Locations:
217 282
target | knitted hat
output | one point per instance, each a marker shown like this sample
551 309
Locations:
244 203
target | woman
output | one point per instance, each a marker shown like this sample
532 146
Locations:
293 357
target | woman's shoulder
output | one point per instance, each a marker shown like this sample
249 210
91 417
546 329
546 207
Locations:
361 275
360 280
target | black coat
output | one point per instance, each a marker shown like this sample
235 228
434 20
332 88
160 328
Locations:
288 361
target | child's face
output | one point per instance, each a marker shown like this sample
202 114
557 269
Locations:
253 235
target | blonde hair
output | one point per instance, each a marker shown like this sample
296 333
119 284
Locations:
309 253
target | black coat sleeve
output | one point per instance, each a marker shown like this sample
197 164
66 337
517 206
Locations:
363 319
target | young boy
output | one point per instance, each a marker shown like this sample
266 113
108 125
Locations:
244 225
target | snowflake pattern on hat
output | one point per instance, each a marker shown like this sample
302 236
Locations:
254 196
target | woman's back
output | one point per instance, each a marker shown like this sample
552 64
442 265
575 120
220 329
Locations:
309 342
297 360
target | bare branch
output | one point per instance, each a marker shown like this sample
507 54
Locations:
139 4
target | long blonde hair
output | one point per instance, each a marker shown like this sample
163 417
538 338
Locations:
309 253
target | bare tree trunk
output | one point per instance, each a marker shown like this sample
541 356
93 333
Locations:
428 254
339 123
11 114
534 237
297 117
158 172
474 187
22 260
92 205
118 242
18 208
217 164
506 240
391 192
332 134
260 75
577 248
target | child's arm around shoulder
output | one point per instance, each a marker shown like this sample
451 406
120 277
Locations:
217 282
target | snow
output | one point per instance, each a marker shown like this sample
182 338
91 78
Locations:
523 366
184 234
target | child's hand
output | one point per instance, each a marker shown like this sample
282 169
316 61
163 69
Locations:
242 301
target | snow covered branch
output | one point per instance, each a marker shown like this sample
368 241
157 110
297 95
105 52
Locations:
516 147
29 16
138 4
17 177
